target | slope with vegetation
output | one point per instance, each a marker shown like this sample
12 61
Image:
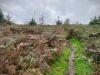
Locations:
44 50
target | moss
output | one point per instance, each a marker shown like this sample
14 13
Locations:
59 66
80 65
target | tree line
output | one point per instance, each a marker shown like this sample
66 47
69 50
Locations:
5 19
8 20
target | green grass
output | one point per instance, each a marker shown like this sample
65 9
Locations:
80 65
59 66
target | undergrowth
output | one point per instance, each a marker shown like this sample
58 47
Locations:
80 64
59 66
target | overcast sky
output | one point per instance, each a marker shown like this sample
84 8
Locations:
75 10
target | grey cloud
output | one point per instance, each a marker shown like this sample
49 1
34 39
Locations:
76 10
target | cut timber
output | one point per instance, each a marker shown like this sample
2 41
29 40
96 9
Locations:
70 69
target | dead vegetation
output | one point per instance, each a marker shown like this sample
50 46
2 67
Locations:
30 52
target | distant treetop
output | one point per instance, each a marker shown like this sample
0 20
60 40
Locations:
95 21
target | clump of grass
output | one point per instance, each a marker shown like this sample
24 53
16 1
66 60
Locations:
80 65
59 66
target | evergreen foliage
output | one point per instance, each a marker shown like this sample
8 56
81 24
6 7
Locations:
58 22
32 22
1 17
5 20
95 21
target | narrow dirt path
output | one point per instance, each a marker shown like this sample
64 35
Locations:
70 69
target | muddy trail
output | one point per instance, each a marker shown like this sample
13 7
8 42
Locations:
77 64
70 69
71 62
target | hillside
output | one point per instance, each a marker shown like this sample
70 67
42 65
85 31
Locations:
50 50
